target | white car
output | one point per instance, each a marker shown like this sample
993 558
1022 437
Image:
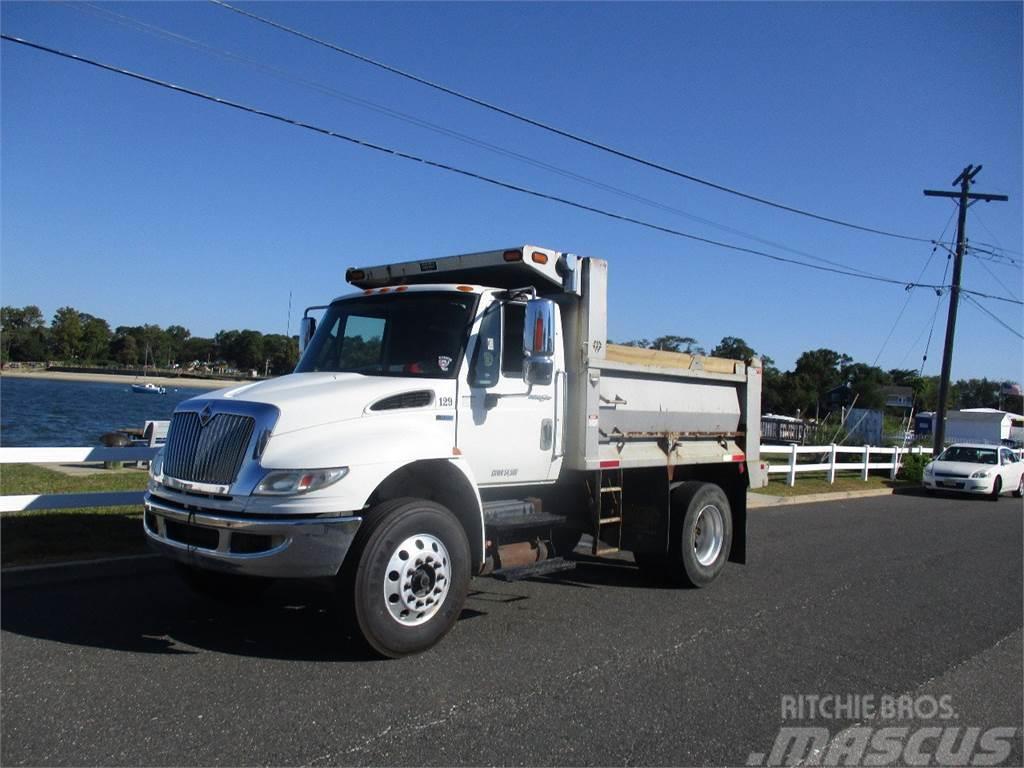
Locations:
975 468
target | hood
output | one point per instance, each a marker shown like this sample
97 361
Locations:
313 399
963 468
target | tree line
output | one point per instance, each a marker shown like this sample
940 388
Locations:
78 338
804 391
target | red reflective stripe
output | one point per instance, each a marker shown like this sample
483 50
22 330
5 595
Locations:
738 457
611 464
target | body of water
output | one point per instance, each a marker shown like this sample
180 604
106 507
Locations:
43 413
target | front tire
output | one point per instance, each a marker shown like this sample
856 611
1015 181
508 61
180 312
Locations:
701 534
407 576
997 488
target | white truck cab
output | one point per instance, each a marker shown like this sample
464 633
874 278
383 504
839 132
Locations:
456 417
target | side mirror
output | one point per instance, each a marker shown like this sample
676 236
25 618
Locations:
307 327
539 341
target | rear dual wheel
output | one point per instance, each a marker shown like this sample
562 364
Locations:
406 578
700 537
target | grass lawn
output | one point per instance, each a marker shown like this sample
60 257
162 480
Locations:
817 482
68 534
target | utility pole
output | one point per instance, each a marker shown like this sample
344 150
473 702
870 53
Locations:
965 198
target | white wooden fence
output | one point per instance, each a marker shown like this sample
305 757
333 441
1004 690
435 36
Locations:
72 456
792 468
27 502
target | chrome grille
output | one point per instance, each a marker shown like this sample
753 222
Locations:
210 454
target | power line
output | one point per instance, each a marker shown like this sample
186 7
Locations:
999 282
559 131
992 257
472 174
910 293
1005 325
139 25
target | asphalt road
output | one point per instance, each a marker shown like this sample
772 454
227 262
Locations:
872 597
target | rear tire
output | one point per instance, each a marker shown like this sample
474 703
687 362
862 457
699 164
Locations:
701 534
406 578
1020 487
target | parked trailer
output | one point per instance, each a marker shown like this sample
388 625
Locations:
459 416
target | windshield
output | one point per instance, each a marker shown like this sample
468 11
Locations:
420 334
969 455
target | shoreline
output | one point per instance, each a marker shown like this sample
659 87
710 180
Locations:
173 382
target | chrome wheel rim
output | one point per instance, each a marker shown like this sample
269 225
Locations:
417 579
708 533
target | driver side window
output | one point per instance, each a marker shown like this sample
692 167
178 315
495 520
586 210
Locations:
486 361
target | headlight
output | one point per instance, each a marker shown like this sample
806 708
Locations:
981 473
156 466
289 482
928 469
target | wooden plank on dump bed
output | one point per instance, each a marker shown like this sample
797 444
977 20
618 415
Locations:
617 353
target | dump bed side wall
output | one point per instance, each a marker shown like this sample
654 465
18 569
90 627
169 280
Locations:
648 408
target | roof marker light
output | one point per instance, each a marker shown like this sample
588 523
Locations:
539 258
466 288
513 255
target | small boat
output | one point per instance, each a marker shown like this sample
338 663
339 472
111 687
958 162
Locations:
149 388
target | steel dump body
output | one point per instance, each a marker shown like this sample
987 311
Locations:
634 407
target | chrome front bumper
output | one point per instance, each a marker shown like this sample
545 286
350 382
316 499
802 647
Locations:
277 547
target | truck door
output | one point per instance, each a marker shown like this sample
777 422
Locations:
509 432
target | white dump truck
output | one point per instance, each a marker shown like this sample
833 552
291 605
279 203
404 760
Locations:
456 417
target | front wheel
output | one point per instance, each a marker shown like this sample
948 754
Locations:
407 576
701 534
997 488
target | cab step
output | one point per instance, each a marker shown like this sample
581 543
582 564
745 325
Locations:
518 513
544 567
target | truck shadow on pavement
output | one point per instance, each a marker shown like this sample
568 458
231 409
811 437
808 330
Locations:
156 613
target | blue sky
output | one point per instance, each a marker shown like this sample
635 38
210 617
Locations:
140 205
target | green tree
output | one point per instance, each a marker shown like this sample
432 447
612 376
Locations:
96 336
976 393
281 352
670 343
197 348
23 334
176 336
866 381
733 348
66 333
124 349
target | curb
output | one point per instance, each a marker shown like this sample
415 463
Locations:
764 500
22 576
